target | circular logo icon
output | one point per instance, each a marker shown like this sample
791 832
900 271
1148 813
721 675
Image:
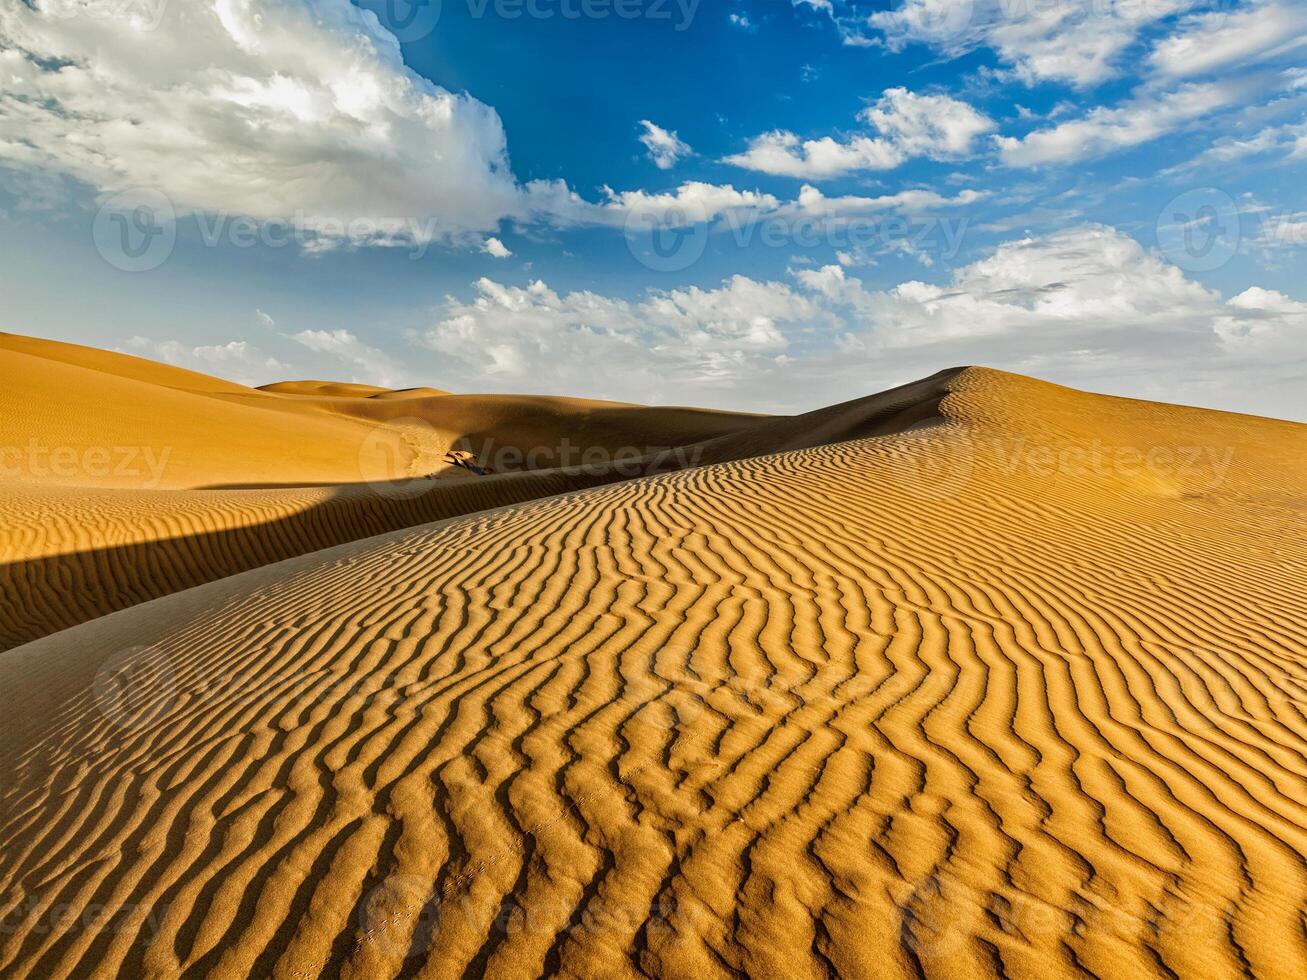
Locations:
667 698
667 239
135 687
408 20
930 910
939 20
399 458
930 462
399 917
1199 230
135 230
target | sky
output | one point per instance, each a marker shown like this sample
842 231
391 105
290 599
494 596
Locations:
766 205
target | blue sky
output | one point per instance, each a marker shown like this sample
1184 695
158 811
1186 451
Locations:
843 195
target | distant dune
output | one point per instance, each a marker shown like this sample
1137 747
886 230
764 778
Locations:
337 389
978 677
110 529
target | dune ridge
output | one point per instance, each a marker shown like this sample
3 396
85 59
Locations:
1016 692
77 548
121 422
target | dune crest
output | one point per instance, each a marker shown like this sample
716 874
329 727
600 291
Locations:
101 512
1015 689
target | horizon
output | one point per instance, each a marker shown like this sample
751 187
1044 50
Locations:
956 369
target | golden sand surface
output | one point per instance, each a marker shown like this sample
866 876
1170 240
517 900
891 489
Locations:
982 677
122 480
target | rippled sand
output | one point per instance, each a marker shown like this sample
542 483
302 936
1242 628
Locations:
1016 688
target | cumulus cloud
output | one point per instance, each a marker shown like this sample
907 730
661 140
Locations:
784 154
276 109
302 112
235 360
1088 306
664 147
723 206
371 366
935 126
495 248
1262 321
836 212
664 345
692 202
910 125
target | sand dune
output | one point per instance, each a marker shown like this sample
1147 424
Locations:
123 480
120 532
336 389
73 416
1016 690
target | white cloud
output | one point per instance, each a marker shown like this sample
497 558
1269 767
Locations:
265 319
1077 42
1219 39
496 249
723 207
374 366
1280 232
290 111
1087 306
1093 279
1289 139
935 126
283 110
670 341
664 147
813 204
909 124
849 25
783 154
302 112
235 360
1104 130
1261 321
691 203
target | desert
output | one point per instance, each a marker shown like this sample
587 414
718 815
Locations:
670 489
982 676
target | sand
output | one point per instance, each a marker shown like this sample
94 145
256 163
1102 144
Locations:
122 480
982 677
